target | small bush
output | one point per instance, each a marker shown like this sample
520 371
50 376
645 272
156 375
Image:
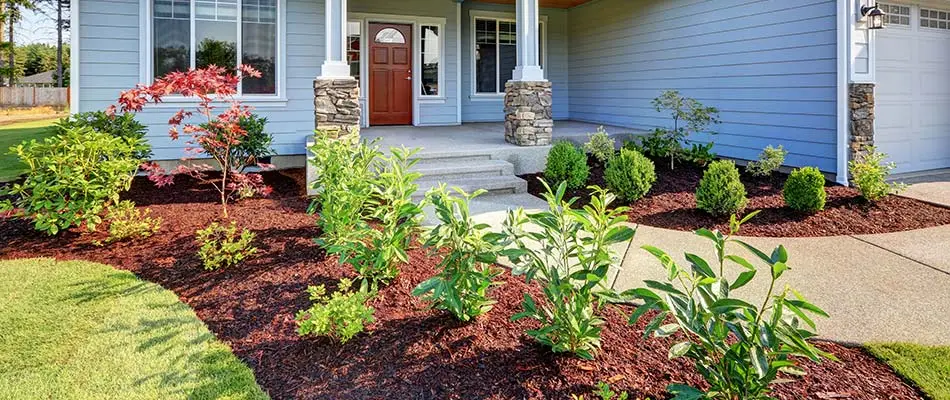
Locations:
689 116
869 175
340 316
805 190
119 125
699 154
630 175
567 163
601 145
344 182
126 222
254 146
720 191
72 178
658 144
223 247
770 160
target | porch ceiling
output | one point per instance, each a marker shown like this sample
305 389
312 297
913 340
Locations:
544 3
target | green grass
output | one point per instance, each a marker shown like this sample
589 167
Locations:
11 135
79 330
928 367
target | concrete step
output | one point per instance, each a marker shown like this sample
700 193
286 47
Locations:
505 184
427 158
455 169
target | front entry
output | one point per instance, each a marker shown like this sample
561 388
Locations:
390 74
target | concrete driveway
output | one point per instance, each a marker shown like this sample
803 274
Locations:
932 187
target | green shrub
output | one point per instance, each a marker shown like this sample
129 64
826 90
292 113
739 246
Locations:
119 125
720 191
738 347
630 175
340 316
699 154
601 145
222 246
658 144
770 160
567 163
689 116
254 146
468 257
569 252
127 222
805 190
72 178
869 175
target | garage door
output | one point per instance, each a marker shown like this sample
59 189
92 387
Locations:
913 86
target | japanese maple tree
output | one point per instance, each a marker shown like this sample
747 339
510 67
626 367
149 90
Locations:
218 133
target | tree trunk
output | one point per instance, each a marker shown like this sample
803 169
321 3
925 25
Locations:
10 55
59 43
3 9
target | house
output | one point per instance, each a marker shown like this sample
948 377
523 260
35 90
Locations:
42 79
807 74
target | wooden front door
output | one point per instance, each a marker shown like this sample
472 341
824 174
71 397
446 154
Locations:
390 74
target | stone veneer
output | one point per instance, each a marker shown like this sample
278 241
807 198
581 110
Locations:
861 102
336 104
528 115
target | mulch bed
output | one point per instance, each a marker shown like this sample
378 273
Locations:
410 352
671 204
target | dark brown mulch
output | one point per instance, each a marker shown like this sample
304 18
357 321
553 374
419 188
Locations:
671 204
410 352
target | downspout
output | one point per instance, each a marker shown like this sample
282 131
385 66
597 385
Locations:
843 110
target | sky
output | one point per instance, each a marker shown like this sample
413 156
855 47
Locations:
39 27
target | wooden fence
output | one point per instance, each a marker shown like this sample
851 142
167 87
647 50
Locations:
33 96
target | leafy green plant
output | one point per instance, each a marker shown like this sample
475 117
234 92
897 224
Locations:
699 154
720 192
119 125
127 222
254 146
223 246
568 252
805 190
604 392
601 145
869 175
769 160
468 254
658 144
567 163
630 175
689 116
340 316
738 347
71 179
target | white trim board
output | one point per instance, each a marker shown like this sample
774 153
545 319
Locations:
75 56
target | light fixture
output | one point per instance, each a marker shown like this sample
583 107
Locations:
875 16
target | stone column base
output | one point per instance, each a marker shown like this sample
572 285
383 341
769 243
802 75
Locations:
528 115
336 104
861 103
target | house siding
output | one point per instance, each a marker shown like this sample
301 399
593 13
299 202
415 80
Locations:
769 68
475 109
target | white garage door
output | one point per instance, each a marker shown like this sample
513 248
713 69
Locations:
913 86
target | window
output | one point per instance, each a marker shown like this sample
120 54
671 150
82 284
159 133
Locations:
934 19
431 57
353 34
896 15
496 53
390 35
197 33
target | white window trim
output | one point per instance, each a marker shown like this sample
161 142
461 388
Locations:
146 55
416 22
500 17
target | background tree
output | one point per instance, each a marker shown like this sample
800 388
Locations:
10 12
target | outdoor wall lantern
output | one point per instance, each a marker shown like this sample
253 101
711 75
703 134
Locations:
874 15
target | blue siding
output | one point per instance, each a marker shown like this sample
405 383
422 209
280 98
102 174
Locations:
493 109
769 66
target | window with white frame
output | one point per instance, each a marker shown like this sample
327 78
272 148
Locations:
496 53
431 54
937 19
353 34
197 33
896 14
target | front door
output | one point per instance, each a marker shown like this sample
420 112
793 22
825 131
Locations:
390 74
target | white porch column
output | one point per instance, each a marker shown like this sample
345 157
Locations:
335 65
528 68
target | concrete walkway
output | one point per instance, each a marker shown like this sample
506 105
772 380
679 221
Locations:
932 186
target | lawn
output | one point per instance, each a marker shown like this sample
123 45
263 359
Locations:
927 367
11 135
79 330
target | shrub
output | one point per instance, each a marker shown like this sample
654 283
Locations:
630 175
805 190
468 255
567 163
127 222
601 145
72 178
222 246
869 175
699 154
340 316
569 252
739 348
689 116
123 125
720 191
254 146
770 160
658 144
